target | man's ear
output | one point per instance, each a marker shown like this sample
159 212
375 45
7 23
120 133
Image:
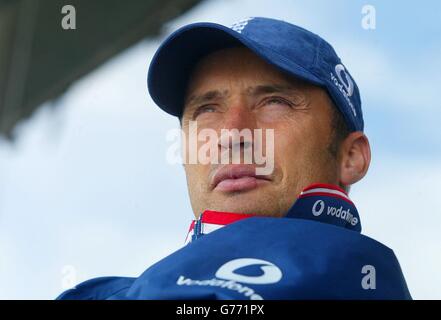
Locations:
355 157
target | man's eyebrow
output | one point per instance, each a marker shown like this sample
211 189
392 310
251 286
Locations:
205 97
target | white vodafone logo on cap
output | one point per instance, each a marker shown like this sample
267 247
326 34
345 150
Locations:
345 86
271 273
348 84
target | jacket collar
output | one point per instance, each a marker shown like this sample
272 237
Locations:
319 202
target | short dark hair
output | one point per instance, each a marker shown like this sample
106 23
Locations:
338 134
339 131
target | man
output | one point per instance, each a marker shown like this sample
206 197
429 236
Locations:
287 233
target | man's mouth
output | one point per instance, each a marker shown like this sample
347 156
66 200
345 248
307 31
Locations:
237 177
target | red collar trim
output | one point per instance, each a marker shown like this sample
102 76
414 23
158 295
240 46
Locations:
220 218
212 220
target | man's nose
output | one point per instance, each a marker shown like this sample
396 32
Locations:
239 116
238 125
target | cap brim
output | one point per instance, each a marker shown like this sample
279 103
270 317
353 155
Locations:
173 62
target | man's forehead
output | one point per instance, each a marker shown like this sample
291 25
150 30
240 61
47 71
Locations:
233 61
238 65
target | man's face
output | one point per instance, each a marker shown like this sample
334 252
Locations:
235 89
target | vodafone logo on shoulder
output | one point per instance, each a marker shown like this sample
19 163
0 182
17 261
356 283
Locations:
271 273
229 277
320 207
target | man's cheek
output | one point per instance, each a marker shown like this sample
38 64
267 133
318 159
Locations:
287 146
292 158
199 175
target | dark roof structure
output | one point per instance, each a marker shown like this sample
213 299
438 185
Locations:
39 59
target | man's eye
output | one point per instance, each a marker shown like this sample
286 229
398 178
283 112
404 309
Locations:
204 109
277 101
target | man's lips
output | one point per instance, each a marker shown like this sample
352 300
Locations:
237 177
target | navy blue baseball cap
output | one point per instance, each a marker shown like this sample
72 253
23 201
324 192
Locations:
290 48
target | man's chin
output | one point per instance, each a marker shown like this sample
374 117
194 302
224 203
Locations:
246 202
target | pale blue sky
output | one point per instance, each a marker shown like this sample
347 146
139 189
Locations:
86 184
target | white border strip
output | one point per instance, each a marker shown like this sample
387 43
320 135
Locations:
341 194
205 229
209 227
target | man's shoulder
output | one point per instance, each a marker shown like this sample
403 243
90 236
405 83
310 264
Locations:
100 288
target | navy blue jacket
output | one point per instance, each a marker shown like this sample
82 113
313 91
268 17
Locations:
315 252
